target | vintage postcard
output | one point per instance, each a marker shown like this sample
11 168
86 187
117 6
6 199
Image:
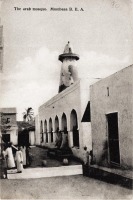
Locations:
66 99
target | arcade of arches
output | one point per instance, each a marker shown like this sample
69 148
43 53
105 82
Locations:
52 133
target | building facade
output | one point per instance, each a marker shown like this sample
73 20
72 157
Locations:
96 115
66 112
9 128
67 115
112 119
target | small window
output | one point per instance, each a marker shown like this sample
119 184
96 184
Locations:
108 91
7 120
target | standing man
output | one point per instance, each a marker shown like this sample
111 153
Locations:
19 160
86 162
86 157
4 161
10 158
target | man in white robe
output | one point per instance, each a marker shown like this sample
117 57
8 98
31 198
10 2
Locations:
19 160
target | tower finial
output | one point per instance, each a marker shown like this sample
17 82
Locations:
68 53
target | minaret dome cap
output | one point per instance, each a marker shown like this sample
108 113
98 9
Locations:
68 53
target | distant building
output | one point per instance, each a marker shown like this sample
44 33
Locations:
9 128
112 119
17 132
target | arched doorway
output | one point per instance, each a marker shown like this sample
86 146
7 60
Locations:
56 124
64 131
58 137
45 130
41 132
51 129
64 123
74 128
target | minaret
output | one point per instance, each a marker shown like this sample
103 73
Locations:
69 72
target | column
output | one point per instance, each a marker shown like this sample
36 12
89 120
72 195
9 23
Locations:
70 133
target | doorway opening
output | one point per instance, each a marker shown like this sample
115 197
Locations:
113 139
51 129
45 131
74 128
23 138
41 132
6 138
64 132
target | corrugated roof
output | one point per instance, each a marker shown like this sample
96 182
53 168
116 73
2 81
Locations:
8 110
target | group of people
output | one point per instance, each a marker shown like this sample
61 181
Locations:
14 157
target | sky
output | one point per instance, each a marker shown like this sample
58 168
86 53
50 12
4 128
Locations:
33 40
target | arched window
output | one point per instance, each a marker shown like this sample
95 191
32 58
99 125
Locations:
74 128
64 132
41 131
45 130
56 124
64 123
51 129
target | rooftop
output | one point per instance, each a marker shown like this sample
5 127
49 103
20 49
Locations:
8 110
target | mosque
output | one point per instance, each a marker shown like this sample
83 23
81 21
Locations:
92 113
68 112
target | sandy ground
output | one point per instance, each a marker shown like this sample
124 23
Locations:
70 187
